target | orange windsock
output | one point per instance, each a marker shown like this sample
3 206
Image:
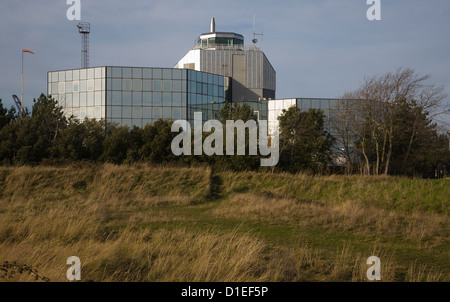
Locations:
26 50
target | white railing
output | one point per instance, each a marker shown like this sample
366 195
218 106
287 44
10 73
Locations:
226 47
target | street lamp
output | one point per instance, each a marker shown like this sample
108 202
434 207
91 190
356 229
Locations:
21 98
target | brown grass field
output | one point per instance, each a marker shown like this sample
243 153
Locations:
146 223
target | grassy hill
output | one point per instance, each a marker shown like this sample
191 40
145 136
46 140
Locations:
154 223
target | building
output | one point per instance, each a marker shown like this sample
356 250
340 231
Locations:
224 53
219 68
136 96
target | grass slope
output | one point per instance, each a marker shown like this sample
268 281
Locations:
153 223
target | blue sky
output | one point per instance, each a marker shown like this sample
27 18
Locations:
319 48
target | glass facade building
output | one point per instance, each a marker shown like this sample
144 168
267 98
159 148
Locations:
135 96
328 106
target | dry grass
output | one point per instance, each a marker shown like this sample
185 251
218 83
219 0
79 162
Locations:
354 216
144 223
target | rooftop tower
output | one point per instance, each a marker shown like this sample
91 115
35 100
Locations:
224 53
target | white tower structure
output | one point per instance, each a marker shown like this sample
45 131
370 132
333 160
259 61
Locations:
252 76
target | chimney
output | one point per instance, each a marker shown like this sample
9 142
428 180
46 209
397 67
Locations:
213 25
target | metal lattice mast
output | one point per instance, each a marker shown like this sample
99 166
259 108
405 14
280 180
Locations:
84 28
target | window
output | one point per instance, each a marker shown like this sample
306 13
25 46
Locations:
116 98
137 85
147 85
61 87
126 98
76 86
83 99
98 84
167 99
90 99
176 85
157 85
127 73
157 112
54 77
98 73
176 113
126 112
126 85
167 112
90 73
147 112
76 100
98 112
68 87
176 99
177 74
68 103
157 98
167 85
193 99
62 76
75 75
137 112
116 112
147 73
116 84
193 87
98 98
82 74
147 98
157 73
69 75
167 74
117 72
137 73
90 85
83 86
137 98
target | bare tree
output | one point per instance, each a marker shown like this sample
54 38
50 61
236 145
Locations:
372 118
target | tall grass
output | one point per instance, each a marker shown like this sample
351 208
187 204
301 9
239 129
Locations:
152 223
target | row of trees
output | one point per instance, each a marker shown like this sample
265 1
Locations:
45 134
384 127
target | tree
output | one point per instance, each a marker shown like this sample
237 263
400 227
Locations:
81 141
6 116
235 112
156 142
372 128
29 139
304 142
115 145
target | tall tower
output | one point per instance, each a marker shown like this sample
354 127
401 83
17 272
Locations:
252 76
84 28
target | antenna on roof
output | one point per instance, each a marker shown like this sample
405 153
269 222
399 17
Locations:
255 40
213 25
